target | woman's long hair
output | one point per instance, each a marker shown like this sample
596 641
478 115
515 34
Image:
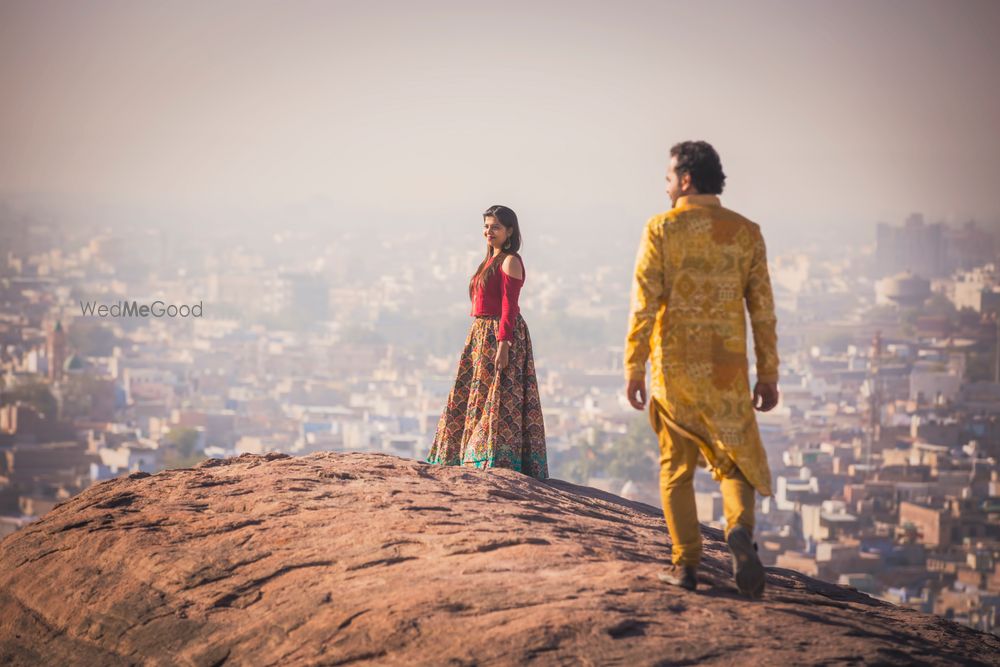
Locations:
508 219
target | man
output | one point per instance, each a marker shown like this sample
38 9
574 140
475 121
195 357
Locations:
696 265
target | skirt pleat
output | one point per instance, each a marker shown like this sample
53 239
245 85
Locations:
493 419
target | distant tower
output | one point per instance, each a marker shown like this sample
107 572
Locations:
874 400
996 353
55 350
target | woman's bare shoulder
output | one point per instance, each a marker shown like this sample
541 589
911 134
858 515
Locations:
513 266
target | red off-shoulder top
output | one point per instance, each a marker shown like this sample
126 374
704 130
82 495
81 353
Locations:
499 297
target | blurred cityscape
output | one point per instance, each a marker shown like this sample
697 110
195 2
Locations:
884 446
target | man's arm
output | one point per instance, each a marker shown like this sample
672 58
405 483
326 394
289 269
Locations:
647 293
760 305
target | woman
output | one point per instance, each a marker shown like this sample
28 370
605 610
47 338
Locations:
494 417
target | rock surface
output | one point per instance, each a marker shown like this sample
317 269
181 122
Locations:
372 559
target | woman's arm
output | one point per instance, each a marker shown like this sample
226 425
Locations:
511 280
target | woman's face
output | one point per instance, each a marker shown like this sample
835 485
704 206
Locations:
495 233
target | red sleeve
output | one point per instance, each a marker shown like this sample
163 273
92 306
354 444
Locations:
511 288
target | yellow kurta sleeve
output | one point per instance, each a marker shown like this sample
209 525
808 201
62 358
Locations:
647 293
760 305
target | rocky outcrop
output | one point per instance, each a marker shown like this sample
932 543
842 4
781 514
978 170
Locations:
372 559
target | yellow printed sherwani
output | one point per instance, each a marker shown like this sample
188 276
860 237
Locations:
696 266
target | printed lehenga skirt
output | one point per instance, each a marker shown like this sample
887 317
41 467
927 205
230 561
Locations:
493 419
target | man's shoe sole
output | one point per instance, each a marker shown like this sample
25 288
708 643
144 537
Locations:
678 581
747 568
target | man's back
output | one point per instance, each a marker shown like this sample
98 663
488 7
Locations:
707 255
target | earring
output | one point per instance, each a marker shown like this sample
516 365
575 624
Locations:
507 244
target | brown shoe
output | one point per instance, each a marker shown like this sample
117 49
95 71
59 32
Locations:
683 576
748 571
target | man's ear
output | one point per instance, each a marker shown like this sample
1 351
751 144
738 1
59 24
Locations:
685 181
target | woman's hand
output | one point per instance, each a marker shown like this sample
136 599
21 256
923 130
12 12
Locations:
503 350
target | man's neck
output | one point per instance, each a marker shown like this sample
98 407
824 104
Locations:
697 199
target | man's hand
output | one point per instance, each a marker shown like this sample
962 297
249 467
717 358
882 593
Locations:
636 387
765 396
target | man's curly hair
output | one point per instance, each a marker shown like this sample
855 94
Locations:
700 160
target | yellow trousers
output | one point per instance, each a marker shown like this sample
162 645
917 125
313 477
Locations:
678 461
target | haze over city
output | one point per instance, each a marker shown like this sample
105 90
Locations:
828 115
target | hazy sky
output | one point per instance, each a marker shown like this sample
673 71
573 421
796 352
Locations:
825 113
